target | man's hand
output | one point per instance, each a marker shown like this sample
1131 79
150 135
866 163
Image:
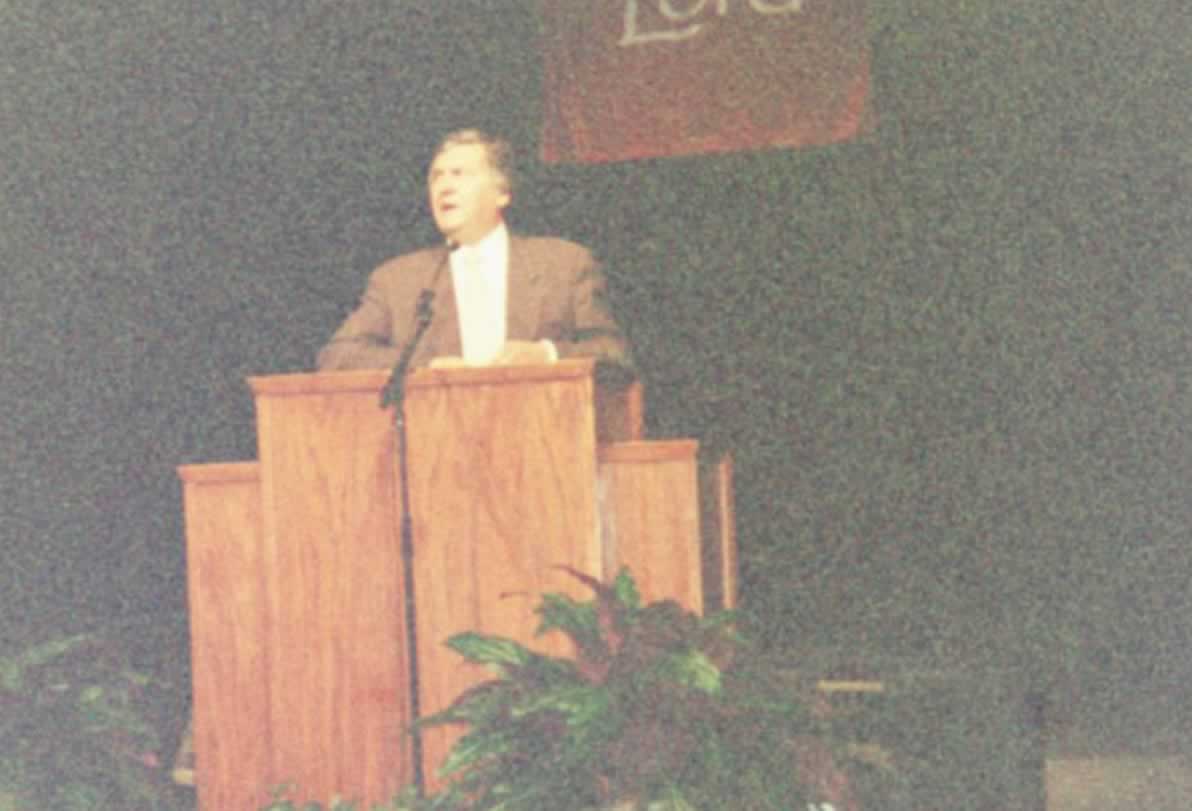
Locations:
525 353
513 353
448 362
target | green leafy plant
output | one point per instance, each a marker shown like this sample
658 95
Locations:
658 707
75 730
407 801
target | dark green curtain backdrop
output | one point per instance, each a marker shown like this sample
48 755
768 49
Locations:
952 360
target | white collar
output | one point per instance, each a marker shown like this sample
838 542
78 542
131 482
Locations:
490 249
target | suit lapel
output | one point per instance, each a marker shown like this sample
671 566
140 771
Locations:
522 294
445 329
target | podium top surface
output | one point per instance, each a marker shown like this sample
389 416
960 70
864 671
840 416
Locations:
651 451
376 379
219 473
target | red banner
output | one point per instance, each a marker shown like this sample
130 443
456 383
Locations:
630 79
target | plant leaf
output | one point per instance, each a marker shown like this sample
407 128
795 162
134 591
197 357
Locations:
560 612
494 651
588 580
626 591
579 704
693 668
14 668
577 620
671 799
477 746
528 798
473 706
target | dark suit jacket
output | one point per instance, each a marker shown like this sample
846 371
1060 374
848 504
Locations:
555 291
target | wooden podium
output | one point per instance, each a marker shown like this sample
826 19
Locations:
296 578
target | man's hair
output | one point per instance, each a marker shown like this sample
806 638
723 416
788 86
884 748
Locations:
500 153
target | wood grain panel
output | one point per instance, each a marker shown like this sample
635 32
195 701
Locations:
230 670
339 686
503 472
651 518
503 488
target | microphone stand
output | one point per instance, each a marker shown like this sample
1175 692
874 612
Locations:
395 394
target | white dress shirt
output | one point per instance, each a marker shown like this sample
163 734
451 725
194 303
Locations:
480 277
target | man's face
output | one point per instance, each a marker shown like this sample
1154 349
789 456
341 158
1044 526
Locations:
467 197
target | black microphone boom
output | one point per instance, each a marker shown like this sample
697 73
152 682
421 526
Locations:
395 395
424 313
394 391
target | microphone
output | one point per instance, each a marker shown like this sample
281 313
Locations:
425 309
424 313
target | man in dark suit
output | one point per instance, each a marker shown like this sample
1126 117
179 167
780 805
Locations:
499 298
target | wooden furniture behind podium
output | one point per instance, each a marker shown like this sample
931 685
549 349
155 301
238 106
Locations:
296 575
